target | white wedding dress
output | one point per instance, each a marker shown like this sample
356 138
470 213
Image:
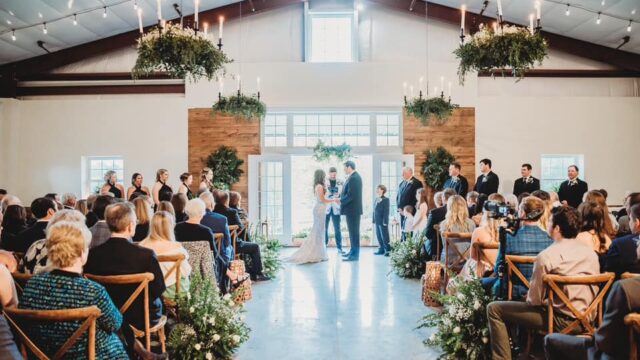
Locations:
313 248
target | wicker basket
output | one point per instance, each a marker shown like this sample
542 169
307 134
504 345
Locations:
431 283
243 293
238 267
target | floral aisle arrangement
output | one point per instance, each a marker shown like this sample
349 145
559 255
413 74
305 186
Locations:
436 167
505 47
270 250
211 326
434 110
406 257
462 327
241 106
323 153
180 52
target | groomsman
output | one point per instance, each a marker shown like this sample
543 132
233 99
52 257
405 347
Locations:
407 192
456 181
333 209
572 190
527 183
488 182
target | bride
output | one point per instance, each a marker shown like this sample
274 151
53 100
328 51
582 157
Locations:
314 249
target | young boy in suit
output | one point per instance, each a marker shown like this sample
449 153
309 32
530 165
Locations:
381 221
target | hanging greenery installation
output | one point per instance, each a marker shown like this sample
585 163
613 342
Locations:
241 106
435 110
323 153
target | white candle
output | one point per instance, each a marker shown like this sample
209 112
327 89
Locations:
195 14
258 83
404 88
221 85
499 7
420 83
140 20
463 9
442 83
221 21
495 26
435 91
531 23
159 3
206 28
411 90
449 88
238 82
538 6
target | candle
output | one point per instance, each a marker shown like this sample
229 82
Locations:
441 83
531 23
206 28
404 88
495 26
499 7
435 91
221 21
463 9
538 6
159 3
449 88
420 83
238 82
195 14
221 85
258 83
140 20
411 90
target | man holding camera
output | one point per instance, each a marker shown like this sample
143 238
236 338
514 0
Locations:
527 183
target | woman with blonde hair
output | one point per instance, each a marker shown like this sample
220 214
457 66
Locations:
111 185
456 221
143 214
161 191
81 206
162 241
206 180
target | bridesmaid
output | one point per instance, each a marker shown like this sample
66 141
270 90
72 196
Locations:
186 180
206 175
111 185
161 191
136 189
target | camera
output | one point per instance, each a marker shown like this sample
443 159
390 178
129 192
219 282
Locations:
498 210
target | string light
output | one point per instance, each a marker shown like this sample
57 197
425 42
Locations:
568 12
629 27
104 14
598 19
8 22
75 19
44 28
13 34
633 12
40 15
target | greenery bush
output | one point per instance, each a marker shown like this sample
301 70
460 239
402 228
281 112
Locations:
225 165
435 169
406 257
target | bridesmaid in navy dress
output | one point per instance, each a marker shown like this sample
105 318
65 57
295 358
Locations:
111 185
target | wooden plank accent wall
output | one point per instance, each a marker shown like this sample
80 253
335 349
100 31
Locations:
457 135
207 132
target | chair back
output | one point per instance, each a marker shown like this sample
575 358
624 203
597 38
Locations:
554 283
233 230
142 280
88 316
449 242
512 269
632 321
482 257
201 258
628 275
20 279
177 260
219 237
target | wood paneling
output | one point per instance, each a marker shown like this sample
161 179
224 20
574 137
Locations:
457 135
208 131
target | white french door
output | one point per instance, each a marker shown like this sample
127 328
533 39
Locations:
270 195
387 170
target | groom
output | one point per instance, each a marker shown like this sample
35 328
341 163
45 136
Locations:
351 208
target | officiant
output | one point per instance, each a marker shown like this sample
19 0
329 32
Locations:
334 187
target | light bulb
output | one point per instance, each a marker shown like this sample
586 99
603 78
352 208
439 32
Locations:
13 35
104 14
598 19
568 12
629 27
40 15
633 12
603 2
44 28
75 19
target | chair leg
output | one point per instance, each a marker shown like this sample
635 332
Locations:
527 349
162 338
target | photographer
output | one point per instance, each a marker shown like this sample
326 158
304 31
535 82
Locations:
529 240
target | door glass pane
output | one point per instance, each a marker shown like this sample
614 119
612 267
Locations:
271 196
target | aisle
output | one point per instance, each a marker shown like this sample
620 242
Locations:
336 310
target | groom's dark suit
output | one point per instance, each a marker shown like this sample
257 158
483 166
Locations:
351 208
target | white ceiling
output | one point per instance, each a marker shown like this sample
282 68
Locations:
122 17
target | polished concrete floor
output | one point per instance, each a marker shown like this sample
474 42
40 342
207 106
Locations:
337 310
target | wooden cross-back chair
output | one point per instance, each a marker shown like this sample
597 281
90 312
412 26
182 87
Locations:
174 270
20 279
632 321
512 269
142 280
88 316
554 283
463 256
482 257
436 228
233 230
219 237
628 275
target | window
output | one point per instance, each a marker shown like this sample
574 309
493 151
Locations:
98 166
554 169
330 37
275 130
271 203
331 129
388 130
390 172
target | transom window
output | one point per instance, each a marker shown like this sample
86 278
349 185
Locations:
554 169
330 37
388 130
275 130
98 166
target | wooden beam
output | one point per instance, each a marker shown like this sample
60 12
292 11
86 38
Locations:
618 58
559 73
101 90
89 76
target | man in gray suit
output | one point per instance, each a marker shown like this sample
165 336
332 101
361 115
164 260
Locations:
100 232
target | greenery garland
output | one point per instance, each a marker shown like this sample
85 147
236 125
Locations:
462 327
241 106
435 169
211 326
406 259
323 153
180 52
492 50
430 110
225 165
270 251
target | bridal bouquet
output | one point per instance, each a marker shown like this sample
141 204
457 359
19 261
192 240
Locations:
211 326
405 258
462 327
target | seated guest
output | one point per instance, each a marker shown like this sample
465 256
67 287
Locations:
526 183
522 196
43 210
623 221
8 347
472 200
563 258
118 256
162 241
161 191
572 189
14 221
243 247
436 216
592 229
81 206
437 199
456 221
511 200
3 193
53 197
479 209
9 200
456 181
143 214
92 218
179 201
166 206
530 240
137 189
217 224
100 231
111 185
548 206
610 340
610 222
554 199
235 200
8 293
186 180
621 256
488 182
65 288
69 201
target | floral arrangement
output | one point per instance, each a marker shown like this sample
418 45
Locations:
241 106
323 153
225 165
406 257
435 169
507 47
462 327
430 110
211 326
178 51
270 250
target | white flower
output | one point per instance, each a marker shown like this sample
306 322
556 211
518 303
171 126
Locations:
485 340
212 320
407 266
236 338
476 305
226 297
198 346
192 309
432 337
188 296
209 356
414 252
216 337
461 296
456 329
242 317
231 302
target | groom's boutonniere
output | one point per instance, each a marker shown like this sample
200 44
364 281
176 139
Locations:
573 182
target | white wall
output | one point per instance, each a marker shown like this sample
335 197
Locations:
392 48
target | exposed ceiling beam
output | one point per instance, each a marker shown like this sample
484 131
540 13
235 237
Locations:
561 73
620 59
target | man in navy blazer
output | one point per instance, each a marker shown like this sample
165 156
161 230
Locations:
351 208
218 224
622 256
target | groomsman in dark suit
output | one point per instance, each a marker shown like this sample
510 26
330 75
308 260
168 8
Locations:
527 183
488 182
407 192
351 208
456 181
572 190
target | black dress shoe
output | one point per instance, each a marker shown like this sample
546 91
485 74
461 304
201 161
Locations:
378 252
387 254
350 259
262 277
